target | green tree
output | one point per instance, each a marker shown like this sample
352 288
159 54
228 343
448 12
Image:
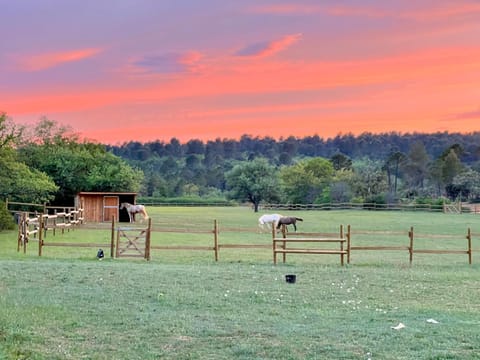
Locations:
468 184
10 134
18 182
452 166
305 181
253 181
74 166
342 185
6 219
370 180
341 161
415 166
392 167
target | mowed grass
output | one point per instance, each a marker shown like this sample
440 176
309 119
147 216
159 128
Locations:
184 305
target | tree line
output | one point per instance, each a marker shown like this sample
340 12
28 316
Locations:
381 168
47 162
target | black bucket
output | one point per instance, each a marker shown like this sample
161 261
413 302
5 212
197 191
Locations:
291 279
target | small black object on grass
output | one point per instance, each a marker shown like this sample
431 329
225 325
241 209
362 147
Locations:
291 278
100 254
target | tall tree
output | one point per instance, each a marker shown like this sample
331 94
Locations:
452 166
370 180
392 167
341 162
415 166
305 181
253 181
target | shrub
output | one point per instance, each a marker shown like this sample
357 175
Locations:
6 219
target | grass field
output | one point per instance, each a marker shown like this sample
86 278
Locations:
184 305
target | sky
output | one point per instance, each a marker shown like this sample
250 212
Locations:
145 70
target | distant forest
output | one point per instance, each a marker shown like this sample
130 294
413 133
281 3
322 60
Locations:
404 165
283 151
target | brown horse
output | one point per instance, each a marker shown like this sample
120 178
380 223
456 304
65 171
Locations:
134 209
288 220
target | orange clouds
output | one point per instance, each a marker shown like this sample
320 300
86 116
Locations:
428 72
249 68
268 48
281 44
38 62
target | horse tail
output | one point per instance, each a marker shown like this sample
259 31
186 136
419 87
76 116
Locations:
299 219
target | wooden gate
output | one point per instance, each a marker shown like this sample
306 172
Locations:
133 241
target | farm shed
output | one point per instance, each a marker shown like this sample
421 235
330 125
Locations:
100 206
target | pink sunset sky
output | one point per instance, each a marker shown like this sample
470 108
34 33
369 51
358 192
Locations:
145 70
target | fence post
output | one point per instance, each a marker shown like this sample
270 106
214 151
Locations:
54 221
215 238
341 245
410 235
112 237
349 245
19 237
40 236
147 239
469 239
274 246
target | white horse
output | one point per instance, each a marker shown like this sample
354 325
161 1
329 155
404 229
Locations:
134 209
268 221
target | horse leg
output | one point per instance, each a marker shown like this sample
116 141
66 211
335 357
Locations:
260 226
294 226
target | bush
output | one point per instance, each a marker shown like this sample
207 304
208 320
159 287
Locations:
432 201
6 219
186 201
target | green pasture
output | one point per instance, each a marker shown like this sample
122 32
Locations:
184 305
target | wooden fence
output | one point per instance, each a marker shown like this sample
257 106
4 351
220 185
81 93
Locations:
457 207
384 247
137 239
28 229
215 246
281 245
35 229
467 250
410 241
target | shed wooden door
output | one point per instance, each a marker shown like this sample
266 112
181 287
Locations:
110 207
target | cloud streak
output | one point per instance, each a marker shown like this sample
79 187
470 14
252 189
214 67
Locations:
166 63
468 115
39 62
269 48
